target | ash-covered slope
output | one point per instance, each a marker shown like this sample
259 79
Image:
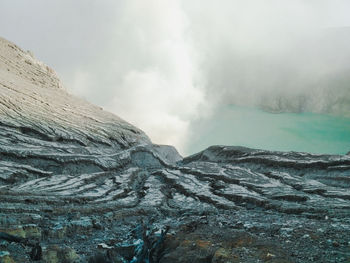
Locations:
44 129
34 101
79 180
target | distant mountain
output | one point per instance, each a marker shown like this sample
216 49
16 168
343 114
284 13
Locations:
78 184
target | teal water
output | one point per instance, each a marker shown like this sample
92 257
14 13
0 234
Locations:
251 127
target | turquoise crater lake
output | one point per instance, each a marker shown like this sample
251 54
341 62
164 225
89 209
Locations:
254 128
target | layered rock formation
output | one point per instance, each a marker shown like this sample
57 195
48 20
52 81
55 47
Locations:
84 184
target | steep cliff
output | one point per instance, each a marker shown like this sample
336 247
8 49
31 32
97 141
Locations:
87 186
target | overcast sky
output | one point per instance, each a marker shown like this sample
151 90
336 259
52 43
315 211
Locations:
161 64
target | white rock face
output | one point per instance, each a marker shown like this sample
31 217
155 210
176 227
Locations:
33 99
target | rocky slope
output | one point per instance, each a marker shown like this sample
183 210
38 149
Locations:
89 187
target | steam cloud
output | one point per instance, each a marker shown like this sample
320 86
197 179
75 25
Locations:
278 55
161 64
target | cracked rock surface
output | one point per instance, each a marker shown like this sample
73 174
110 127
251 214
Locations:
79 180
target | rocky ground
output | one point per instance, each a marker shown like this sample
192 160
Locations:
86 186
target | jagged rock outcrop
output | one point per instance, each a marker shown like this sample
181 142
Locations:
79 180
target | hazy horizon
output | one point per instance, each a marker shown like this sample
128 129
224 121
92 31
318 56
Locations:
165 66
